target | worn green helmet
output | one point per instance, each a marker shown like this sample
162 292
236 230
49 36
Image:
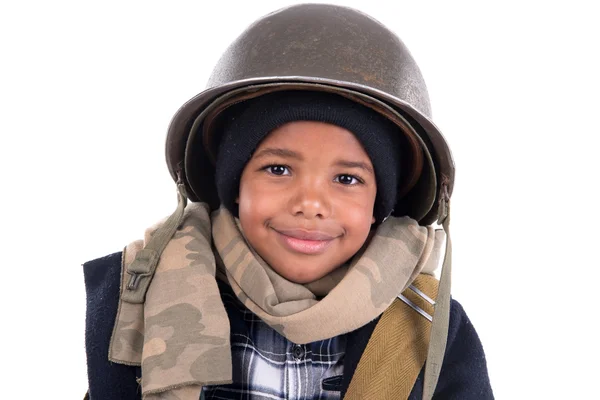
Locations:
320 48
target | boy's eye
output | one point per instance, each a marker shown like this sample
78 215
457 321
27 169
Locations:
347 179
278 169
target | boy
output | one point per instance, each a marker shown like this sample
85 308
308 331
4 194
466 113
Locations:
303 268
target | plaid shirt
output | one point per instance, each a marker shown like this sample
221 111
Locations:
268 366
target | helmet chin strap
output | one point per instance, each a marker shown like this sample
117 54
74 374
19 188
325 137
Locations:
441 315
146 260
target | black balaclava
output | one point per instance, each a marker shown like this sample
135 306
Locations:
256 118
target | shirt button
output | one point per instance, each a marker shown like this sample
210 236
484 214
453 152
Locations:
298 352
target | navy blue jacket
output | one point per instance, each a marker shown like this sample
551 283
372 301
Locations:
463 376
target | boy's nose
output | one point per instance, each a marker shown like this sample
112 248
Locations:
311 201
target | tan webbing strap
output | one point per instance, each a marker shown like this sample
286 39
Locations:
144 265
441 316
397 349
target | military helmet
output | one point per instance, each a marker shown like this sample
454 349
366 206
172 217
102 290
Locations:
326 48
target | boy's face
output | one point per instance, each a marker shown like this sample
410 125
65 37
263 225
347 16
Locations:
306 199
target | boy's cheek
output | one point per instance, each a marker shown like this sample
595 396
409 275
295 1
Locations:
262 193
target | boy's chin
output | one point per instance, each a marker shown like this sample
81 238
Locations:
300 275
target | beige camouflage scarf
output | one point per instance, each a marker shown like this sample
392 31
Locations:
180 334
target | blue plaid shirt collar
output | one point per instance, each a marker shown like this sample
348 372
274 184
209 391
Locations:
268 366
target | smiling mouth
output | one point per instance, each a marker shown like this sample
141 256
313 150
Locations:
305 242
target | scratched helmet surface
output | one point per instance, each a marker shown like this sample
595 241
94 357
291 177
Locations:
327 48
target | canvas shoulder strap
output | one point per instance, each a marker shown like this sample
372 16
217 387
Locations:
397 349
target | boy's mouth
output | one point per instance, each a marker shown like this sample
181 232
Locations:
305 242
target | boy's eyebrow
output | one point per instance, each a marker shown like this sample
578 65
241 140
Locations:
355 164
272 151
287 153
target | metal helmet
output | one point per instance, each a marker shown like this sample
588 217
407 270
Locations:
324 48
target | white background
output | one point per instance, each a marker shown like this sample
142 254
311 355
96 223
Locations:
87 91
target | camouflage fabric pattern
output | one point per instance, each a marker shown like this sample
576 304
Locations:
393 258
180 335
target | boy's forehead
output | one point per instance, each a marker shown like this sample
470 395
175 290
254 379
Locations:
295 138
